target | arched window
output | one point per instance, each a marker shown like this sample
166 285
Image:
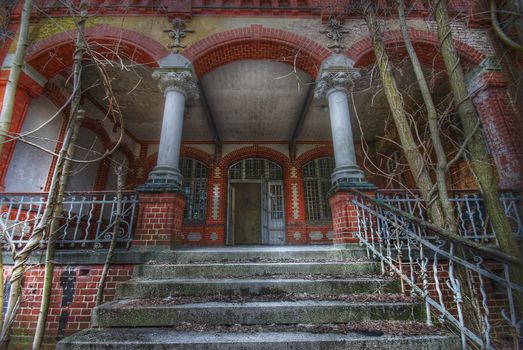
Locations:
316 183
194 187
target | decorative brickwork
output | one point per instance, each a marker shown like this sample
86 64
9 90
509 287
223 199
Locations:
256 42
160 217
52 55
425 43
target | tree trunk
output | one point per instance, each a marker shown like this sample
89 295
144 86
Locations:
476 146
75 121
118 218
413 155
479 156
14 74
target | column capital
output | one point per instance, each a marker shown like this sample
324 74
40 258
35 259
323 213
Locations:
181 81
335 80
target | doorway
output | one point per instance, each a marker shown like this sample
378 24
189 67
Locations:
255 203
246 211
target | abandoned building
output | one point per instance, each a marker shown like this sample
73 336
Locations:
261 169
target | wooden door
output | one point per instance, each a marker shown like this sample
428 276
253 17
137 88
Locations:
247 213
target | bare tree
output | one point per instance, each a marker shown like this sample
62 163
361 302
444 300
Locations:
14 75
114 238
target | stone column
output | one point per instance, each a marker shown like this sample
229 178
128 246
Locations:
160 200
176 87
334 85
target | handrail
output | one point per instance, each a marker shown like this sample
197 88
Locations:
452 282
493 253
86 220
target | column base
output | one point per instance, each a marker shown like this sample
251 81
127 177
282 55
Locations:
163 179
160 217
347 173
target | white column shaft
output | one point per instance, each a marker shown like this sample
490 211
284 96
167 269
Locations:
342 139
172 125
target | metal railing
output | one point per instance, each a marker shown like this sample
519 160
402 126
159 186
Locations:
87 219
458 279
470 213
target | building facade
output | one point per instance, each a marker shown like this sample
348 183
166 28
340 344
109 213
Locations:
238 117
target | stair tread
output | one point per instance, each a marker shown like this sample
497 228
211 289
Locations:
127 337
267 263
262 279
137 303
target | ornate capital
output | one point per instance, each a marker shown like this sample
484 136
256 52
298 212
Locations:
181 81
335 79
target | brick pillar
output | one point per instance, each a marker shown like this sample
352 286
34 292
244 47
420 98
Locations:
216 212
344 214
500 124
160 217
295 208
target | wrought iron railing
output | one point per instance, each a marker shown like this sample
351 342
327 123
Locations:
87 219
472 219
458 279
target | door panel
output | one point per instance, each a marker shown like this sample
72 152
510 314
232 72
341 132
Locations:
247 213
276 214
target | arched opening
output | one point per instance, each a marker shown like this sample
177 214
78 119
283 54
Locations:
256 212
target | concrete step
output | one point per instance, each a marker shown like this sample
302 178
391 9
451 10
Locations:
165 338
141 289
260 253
133 313
220 270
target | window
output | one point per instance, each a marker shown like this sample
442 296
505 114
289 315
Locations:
317 182
194 187
255 169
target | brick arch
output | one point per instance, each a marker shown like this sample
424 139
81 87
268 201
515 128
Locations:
425 43
256 42
54 54
194 153
306 157
95 126
256 151
185 152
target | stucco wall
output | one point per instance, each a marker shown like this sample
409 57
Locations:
29 166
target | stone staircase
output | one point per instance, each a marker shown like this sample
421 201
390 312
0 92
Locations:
260 298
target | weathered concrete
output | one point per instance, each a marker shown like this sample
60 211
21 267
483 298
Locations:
128 323
121 314
139 255
216 270
201 287
298 253
162 338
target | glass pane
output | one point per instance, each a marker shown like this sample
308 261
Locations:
317 182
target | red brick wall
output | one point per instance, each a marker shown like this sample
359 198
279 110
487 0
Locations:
160 217
501 126
69 311
344 217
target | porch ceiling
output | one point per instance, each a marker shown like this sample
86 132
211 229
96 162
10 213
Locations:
250 100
